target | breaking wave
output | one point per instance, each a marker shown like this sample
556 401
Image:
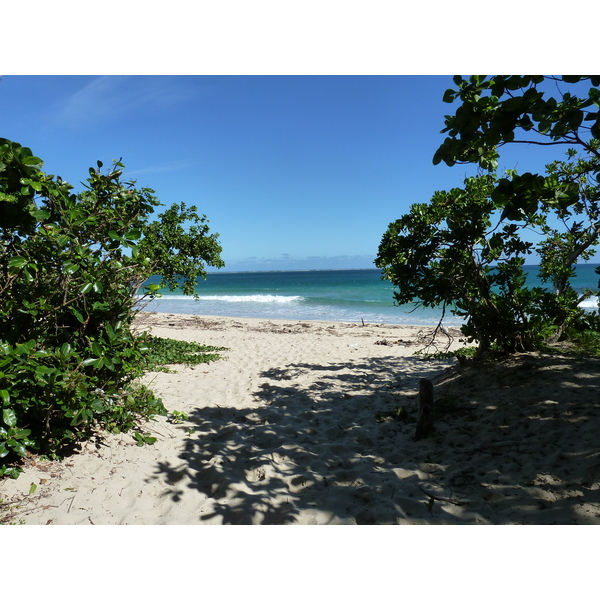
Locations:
262 298
590 303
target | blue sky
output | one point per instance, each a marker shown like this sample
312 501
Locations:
293 172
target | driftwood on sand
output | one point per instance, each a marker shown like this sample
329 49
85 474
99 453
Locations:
425 419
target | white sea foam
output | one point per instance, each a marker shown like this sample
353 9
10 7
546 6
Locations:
263 298
590 303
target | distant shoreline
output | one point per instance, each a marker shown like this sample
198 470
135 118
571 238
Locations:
226 271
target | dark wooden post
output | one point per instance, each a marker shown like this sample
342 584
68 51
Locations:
425 420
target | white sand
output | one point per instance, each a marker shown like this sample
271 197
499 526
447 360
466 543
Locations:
296 426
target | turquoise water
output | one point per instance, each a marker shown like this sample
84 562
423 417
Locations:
346 295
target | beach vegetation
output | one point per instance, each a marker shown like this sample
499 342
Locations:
398 414
167 351
177 417
142 439
463 353
465 249
73 272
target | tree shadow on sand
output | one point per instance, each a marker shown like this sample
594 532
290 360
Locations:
311 450
327 444
521 434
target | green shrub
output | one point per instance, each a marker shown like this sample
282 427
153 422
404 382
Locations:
71 267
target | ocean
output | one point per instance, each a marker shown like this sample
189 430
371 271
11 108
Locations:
342 295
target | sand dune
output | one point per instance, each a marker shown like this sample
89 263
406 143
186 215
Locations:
313 423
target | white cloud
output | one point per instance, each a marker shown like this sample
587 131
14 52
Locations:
114 97
172 165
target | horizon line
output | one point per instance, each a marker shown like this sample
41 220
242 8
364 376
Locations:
221 272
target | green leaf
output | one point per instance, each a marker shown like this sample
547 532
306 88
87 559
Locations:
97 405
79 418
449 96
22 433
13 472
41 371
153 288
25 348
143 439
9 417
63 240
86 287
16 447
32 161
41 215
133 234
108 363
78 315
69 267
3 450
29 274
17 262
5 396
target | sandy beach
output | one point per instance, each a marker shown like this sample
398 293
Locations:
313 423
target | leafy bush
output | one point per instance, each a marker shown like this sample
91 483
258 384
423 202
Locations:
166 351
585 334
459 252
71 267
465 249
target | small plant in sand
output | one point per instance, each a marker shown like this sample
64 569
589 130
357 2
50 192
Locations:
167 351
142 439
398 414
459 353
177 417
